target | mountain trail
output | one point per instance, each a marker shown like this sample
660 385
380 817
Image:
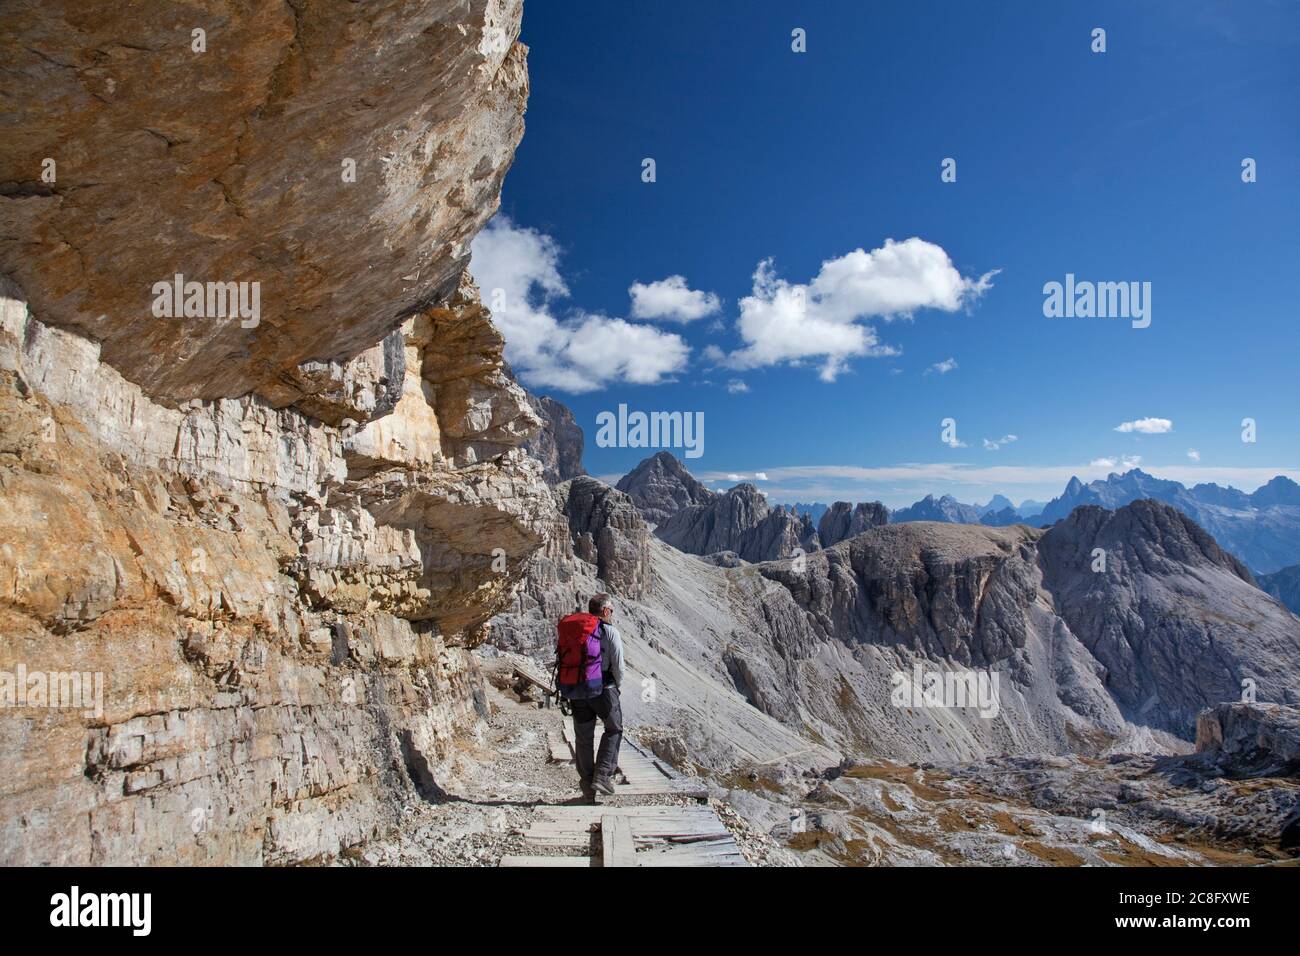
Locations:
513 804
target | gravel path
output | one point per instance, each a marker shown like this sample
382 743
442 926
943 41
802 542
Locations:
499 781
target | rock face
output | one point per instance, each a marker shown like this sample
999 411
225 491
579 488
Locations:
558 443
231 164
607 531
268 607
1283 585
1177 622
598 541
843 520
1251 739
661 486
278 610
740 521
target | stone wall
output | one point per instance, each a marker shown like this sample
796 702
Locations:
264 553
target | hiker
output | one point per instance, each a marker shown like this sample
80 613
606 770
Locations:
589 670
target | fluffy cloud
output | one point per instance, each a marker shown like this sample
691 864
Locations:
760 476
995 445
943 368
1124 462
824 320
737 386
1147 426
1193 454
517 270
671 299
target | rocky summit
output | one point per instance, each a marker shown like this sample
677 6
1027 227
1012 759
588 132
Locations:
661 486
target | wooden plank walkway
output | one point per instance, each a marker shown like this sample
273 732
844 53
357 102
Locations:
644 775
689 835
667 835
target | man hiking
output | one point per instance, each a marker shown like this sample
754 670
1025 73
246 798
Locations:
589 670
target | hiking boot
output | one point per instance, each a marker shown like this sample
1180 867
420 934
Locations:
604 785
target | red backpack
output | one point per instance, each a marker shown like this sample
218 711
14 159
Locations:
577 658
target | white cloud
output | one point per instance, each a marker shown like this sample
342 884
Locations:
760 476
823 319
712 353
943 368
1123 462
995 445
517 271
671 299
1147 426
734 477
737 386
1193 454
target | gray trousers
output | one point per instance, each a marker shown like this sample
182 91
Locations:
607 709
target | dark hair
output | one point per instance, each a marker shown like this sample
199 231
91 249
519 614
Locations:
598 604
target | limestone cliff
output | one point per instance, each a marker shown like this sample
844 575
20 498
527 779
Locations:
740 521
660 486
270 548
558 443
224 157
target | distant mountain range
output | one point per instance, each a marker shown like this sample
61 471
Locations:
1261 528
946 508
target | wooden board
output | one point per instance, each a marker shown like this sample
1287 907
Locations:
720 852
645 776
543 861
573 825
690 835
541 685
557 750
617 848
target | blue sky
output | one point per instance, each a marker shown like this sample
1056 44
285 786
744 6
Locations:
1115 166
